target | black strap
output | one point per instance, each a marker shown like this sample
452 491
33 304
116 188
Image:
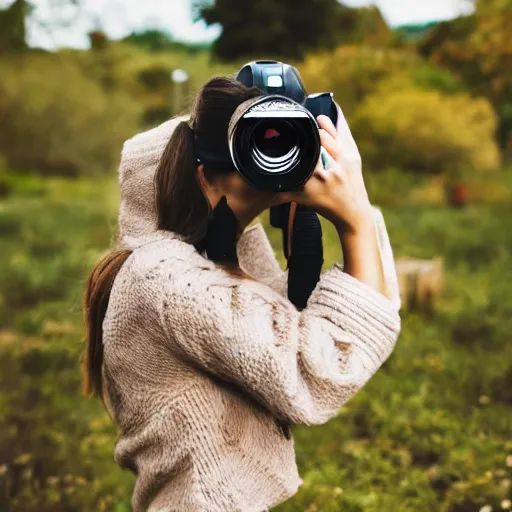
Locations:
306 258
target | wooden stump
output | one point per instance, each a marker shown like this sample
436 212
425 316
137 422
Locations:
420 282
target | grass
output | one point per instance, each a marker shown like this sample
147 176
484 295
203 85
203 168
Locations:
430 432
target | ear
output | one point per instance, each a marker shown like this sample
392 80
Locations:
202 178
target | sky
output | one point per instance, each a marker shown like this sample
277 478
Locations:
120 17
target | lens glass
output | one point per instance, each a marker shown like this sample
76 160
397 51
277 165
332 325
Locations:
275 138
275 144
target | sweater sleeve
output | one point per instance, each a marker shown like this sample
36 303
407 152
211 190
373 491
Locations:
257 258
303 366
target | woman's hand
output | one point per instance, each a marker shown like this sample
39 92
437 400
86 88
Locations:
337 193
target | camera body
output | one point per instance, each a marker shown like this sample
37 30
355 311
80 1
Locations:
275 142
277 78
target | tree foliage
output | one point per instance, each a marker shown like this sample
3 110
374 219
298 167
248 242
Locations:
275 28
352 72
155 40
362 25
426 131
59 119
479 49
12 27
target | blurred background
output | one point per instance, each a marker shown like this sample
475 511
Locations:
427 90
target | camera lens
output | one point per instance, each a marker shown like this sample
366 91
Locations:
274 143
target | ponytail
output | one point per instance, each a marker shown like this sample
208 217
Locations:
180 201
96 297
181 204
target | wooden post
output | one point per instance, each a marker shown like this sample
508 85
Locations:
420 282
178 78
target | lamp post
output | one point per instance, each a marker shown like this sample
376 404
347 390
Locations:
178 77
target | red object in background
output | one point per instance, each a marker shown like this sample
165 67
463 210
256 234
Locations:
460 195
271 133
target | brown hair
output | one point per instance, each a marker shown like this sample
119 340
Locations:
95 303
181 205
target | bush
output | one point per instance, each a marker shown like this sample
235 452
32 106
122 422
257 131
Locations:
155 78
353 72
428 76
424 131
58 119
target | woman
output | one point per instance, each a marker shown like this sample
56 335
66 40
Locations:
205 365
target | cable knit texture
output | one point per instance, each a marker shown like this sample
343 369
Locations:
201 367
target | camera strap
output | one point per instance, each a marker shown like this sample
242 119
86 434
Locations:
302 247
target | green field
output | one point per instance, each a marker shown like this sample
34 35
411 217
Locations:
431 432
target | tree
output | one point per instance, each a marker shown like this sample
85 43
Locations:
478 48
153 40
369 26
156 40
12 21
271 28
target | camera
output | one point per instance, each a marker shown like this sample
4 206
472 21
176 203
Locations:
274 142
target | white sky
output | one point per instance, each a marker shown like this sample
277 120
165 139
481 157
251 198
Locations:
120 17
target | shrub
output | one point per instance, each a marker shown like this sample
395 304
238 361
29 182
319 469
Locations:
428 76
425 131
155 78
58 119
353 72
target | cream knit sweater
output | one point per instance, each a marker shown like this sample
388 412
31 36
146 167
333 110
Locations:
204 370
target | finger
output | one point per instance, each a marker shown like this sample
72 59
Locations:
345 138
330 145
321 174
327 125
319 170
